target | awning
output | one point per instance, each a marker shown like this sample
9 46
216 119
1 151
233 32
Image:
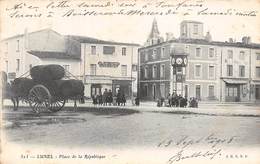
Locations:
256 82
235 81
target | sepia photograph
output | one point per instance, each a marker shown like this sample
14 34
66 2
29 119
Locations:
130 81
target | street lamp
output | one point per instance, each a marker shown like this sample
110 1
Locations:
179 61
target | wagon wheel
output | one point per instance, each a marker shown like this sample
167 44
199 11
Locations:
39 98
57 105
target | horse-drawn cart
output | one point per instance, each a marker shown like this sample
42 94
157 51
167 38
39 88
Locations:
46 90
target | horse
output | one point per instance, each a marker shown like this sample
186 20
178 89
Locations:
8 93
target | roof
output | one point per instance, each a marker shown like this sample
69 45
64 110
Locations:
20 35
52 54
205 42
84 39
190 21
81 39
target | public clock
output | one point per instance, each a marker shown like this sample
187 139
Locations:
179 61
185 61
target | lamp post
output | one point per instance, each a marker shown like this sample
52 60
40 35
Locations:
179 61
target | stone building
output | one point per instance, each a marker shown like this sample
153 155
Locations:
100 64
220 71
108 65
23 51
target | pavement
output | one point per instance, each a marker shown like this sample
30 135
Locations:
211 108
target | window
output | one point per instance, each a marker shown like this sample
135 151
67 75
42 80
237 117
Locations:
162 71
154 53
146 72
124 70
198 52
257 56
108 50
146 56
186 91
162 90
162 53
93 69
211 72
154 91
196 29
211 91
154 71
197 90
17 64
230 54
211 52
229 70
197 70
187 47
6 66
18 46
93 50
184 29
134 67
242 55
123 51
257 72
145 90
241 71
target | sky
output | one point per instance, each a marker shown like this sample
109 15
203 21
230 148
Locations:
135 29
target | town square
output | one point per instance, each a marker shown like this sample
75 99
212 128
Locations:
130 82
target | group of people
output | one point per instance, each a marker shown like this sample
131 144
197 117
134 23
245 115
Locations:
107 98
174 100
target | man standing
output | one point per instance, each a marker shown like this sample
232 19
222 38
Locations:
105 94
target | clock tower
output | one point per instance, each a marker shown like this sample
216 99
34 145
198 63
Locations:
179 62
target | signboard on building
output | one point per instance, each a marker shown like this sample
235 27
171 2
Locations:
108 64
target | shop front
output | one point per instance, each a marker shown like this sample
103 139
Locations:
124 86
236 90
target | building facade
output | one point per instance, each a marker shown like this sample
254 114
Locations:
100 64
220 71
21 52
108 65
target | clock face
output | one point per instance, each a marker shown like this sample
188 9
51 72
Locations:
173 60
179 60
185 61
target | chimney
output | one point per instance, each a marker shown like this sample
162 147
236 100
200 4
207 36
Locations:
208 37
246 40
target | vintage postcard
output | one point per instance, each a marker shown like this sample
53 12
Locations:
130 81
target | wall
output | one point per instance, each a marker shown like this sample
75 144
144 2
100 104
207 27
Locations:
116 57
44 40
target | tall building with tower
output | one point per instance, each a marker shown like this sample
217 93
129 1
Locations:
219 71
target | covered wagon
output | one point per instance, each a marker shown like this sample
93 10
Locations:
47 89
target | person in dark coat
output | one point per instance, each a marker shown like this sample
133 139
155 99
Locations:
123 99
94 99
118 98
104 97
109 97
169 98
137 101
173 100
100 99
